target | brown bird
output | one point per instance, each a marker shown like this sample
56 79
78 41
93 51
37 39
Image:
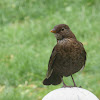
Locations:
68 56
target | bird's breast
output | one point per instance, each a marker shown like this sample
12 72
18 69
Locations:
70 58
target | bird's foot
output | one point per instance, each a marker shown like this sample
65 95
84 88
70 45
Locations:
67 86
74 85
64 86
77 86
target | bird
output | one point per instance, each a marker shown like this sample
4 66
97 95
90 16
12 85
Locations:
68 56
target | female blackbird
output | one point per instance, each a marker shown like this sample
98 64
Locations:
68 56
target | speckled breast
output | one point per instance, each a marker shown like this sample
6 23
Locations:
70 60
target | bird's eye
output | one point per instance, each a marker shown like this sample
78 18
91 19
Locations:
62 29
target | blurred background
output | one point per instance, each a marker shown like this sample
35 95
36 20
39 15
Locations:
26 44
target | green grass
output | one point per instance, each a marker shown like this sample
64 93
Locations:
26 44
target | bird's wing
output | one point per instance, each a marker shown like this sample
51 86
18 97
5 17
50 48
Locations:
51 62
84 54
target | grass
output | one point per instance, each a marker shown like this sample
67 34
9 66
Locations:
26 44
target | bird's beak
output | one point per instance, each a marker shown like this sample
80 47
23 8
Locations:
53 31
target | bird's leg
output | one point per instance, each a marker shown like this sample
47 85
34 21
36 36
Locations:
73 81
64 85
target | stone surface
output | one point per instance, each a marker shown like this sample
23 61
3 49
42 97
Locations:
74 93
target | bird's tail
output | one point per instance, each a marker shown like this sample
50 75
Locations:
54 79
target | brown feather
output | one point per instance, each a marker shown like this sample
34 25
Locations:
67 58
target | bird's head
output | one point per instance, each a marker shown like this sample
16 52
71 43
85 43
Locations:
62 31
